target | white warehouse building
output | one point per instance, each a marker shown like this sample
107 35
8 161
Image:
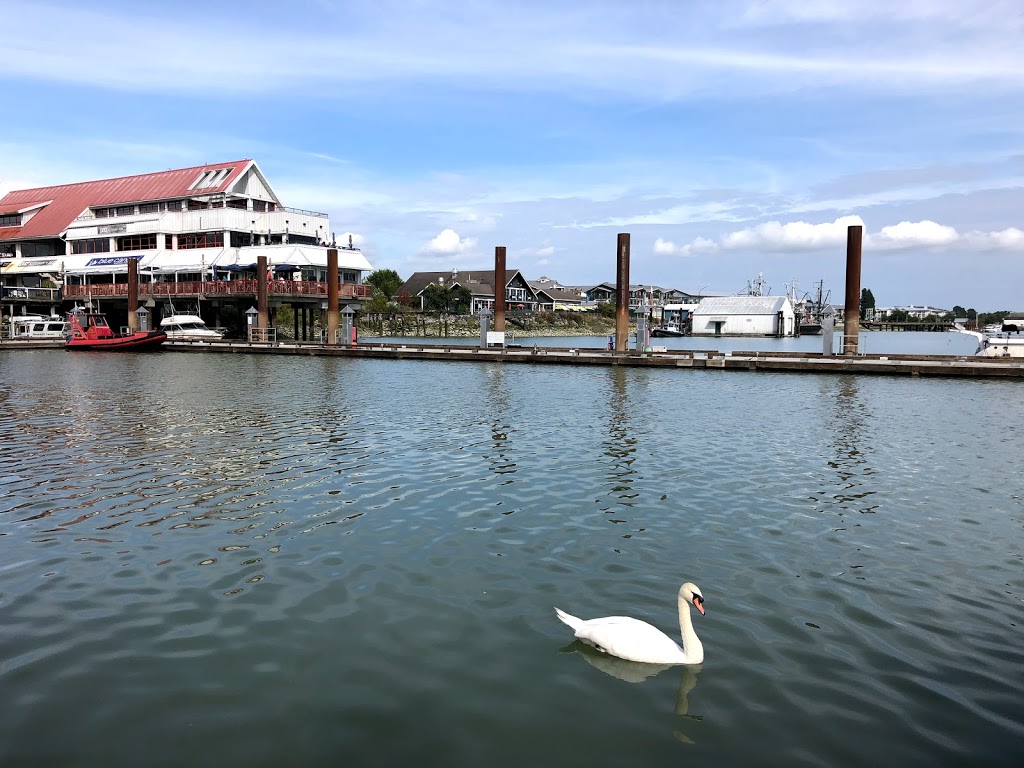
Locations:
744 316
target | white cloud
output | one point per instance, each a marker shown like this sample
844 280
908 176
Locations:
914 234
1011 239
804 236
449 242
792 236
665 247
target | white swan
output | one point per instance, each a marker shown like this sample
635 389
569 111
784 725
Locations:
637 640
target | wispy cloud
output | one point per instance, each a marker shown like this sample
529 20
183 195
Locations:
482 46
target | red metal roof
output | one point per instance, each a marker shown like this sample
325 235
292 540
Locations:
69 201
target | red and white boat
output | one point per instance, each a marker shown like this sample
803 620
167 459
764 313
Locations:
89 330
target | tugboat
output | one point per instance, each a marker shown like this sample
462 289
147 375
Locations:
89 330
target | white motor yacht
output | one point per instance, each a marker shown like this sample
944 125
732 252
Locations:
188 328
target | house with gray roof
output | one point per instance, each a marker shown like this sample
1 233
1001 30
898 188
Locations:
519 296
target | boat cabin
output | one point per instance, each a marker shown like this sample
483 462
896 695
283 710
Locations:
89 325
37 327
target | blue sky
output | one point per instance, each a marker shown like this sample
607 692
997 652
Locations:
730 138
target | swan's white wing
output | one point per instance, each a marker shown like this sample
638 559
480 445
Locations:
631 639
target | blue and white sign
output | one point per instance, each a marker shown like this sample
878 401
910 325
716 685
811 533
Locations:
111 261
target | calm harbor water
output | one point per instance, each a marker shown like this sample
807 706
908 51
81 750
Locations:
246 560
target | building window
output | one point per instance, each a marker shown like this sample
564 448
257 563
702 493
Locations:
196 205
7 249
40 250
102 213
200 240
10 220
137 243
239 203
171 205
259 206
124 210
350 277
96 245
149 208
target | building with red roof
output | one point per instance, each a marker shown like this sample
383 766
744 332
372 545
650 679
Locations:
201 223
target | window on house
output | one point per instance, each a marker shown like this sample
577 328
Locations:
124 210
171 205
259 206
239 203
95 245
137 243
149 208
200 240
10 220
196 205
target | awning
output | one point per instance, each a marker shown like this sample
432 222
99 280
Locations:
31 266
101 265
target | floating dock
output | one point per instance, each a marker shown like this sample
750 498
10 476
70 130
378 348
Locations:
789 362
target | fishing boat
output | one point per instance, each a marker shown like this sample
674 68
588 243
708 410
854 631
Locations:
667 330
90 331
812 310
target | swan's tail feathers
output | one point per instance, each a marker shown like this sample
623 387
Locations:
566 618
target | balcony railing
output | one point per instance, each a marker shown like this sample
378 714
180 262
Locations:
29 294
210 288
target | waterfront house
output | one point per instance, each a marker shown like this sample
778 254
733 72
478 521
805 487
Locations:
519 296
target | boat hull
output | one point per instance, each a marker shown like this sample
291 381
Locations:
136 342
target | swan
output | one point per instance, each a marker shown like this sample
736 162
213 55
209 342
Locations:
637 640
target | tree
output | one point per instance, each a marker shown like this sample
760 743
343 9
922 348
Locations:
959 311
867 301
385 282
436 298
460 300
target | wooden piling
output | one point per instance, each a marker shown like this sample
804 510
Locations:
262 303
622 294
851 312
499 288
332 296
133 294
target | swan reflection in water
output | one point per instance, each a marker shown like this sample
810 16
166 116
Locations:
637 672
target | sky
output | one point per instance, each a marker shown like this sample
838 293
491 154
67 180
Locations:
730 138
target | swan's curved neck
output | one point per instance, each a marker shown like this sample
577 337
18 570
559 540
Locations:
692 649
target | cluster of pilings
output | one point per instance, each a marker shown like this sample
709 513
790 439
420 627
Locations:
851 317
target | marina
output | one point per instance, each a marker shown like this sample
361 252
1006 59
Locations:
327 553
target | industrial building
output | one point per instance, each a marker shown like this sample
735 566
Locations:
744 316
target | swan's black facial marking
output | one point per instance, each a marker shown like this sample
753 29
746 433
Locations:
698 603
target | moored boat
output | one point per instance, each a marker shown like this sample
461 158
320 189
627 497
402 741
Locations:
188 328
668 330
31 327
90 331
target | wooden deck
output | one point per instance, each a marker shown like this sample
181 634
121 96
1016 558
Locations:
788 362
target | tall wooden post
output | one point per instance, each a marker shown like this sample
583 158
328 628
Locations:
622 294
499 288
262 304
851 312
332 296
133 294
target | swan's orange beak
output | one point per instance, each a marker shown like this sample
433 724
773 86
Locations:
698 603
